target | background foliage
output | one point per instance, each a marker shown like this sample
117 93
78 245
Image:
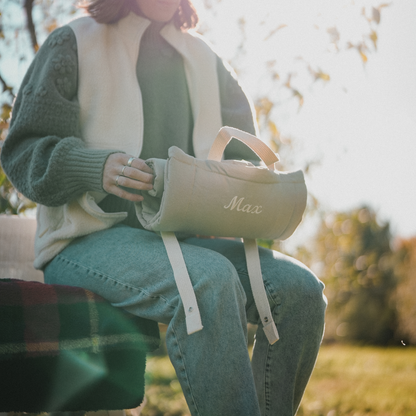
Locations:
352 253
370 274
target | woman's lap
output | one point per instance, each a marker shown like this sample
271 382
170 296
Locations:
129 266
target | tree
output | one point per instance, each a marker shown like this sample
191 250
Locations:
405 296
268 48
353 253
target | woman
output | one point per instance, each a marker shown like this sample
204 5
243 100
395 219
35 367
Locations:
103 94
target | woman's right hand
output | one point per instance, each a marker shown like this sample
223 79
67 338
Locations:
126 171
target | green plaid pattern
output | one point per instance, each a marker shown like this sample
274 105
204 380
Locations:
43 320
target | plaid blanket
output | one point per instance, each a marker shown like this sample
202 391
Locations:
66 349
37 319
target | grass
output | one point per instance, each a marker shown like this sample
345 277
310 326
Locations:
164 395
360 381
347 381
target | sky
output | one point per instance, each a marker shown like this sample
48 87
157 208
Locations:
361 125
368 136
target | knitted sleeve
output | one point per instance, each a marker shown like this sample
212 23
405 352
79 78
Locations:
236 112
43 155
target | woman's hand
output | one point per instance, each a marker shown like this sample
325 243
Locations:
123 171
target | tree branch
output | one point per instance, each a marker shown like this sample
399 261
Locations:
30 24
6 88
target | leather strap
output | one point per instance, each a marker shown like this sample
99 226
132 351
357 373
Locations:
183 282
258 290
187 294
254 143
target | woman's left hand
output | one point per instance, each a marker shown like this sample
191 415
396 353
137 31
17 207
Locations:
125 172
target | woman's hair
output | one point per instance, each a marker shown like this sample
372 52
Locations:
110 11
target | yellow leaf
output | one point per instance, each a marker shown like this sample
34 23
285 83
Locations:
363 56
321 75
264 106
274 130
324 77
51 26
299 96
288 82
275 31
374 38
5 112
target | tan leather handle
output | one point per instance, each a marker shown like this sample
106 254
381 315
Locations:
254 143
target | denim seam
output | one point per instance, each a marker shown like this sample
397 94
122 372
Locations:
275 298
185 372
60 256
267 372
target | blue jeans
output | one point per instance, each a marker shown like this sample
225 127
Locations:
130 268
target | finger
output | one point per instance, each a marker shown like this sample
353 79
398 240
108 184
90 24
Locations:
137 174
125 182
123 193
116 170
139 164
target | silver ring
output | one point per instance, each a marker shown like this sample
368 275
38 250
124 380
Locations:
117 180
130 161
122 170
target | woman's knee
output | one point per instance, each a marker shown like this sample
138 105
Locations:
290 282
308 292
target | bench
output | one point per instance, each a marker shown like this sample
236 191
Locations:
63 348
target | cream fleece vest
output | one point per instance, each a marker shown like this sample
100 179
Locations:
111 114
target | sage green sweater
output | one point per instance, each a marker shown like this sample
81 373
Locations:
44 155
